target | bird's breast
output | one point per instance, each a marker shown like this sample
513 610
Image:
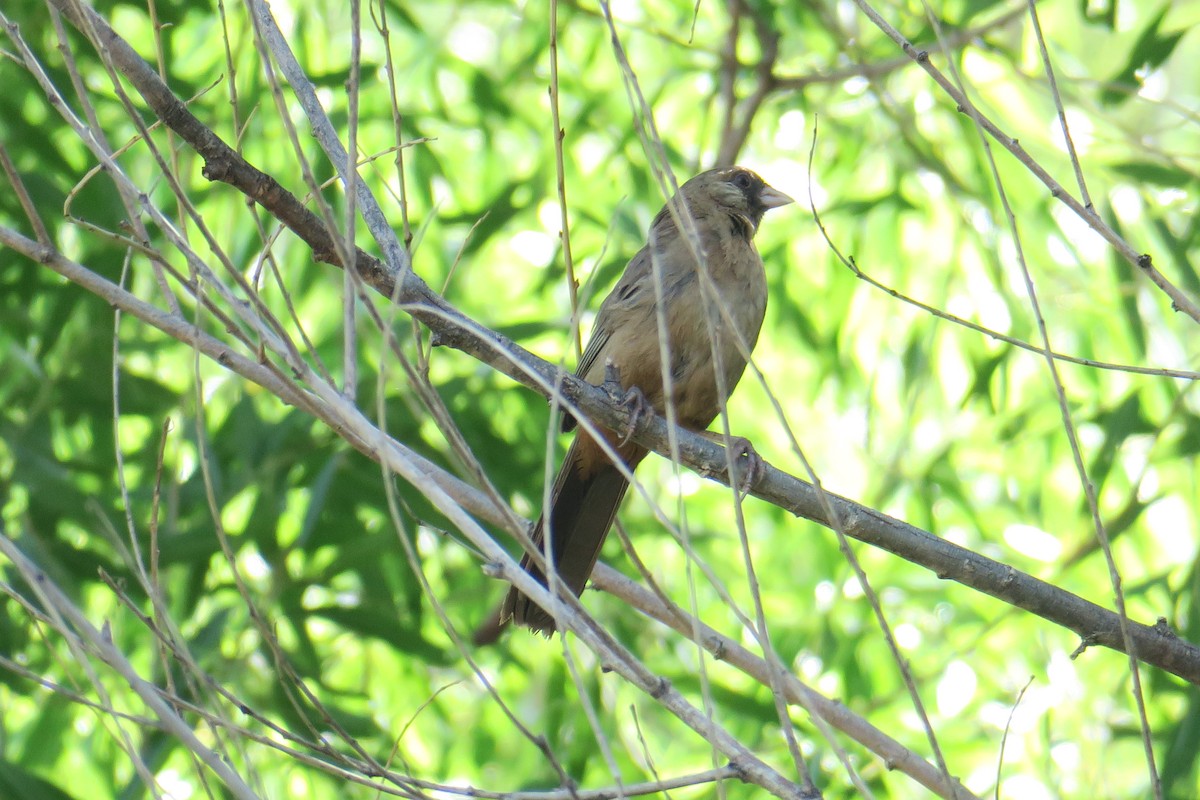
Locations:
714 328
705 327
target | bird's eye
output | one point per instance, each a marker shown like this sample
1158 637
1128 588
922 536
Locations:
741 180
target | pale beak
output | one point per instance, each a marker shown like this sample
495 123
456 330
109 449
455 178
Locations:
773 198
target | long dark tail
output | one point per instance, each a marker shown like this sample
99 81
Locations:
586 496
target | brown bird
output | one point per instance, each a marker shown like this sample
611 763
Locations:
727 206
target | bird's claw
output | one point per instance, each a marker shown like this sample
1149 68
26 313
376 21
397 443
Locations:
631 399
639 409
755 468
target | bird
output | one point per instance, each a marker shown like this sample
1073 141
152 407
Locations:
726 206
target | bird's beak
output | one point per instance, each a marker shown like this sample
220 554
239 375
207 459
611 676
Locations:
773 198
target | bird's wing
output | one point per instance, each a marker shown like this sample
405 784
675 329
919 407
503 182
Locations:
631 290
595 345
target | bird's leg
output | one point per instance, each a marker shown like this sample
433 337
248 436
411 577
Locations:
741 448
631 399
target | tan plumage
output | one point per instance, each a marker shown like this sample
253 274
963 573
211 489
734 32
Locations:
727 206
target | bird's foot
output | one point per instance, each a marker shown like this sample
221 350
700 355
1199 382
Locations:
612 382
639 409
748 465
631 399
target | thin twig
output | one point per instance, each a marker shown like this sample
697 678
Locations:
1012 712
1144 262
564 233
1058 105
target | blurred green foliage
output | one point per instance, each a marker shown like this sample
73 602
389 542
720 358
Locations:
920 418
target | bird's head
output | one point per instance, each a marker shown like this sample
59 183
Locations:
737 191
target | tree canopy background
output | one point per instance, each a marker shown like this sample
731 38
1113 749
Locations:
212 589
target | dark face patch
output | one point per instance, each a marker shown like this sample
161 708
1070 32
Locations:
751 187
749 184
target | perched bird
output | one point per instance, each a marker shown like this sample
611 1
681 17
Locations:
727 206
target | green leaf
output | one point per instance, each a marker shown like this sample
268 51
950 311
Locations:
1152 48
1157 174
18 784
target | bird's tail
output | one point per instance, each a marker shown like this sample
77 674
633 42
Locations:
586 496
